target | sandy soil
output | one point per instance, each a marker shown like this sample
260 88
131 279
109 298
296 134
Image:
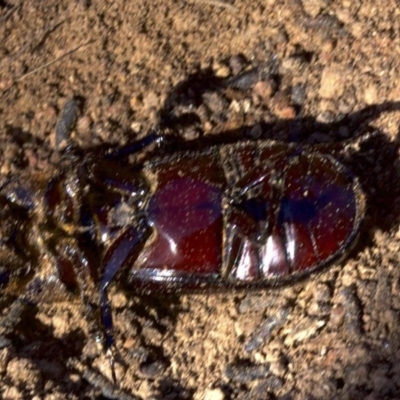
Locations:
335 335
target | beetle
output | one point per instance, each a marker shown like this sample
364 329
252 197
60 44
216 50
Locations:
251 213
248 214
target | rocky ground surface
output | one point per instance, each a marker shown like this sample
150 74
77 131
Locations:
327 72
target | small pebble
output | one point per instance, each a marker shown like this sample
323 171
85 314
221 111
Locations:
305 329
221 70
325 117
136 126
328 46
12 393
237 63
191 134
151 100
371 94
312 7
152 369
207 127
332 83
119 300
264 331
322 292
345 106
214 394
215 102
287 112
246 80
264 89
5 84
136 103
235 106
293 65
251 302
59 323
282 107
152 335
298 94
48 112
83 124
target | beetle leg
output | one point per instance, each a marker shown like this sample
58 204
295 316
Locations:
123 248
153 138
113 171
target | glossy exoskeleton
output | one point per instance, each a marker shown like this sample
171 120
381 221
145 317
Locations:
252 213
246 213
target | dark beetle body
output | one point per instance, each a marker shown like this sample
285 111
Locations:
247 213
250 213
255 213
237 215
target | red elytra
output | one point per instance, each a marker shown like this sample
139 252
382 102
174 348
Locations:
247 213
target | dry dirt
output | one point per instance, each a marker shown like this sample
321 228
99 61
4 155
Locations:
335 335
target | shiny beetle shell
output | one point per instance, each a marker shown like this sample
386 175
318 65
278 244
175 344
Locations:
249 213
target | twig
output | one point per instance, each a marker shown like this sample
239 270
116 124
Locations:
217 3
31 45
52 61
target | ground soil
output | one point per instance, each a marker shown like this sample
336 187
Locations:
327 71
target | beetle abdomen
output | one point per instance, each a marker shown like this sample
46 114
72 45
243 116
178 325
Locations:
314 208
246 213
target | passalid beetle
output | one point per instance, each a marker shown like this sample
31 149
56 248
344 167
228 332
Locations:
253 213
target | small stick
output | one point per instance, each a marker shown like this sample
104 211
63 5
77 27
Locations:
39 39
52 61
